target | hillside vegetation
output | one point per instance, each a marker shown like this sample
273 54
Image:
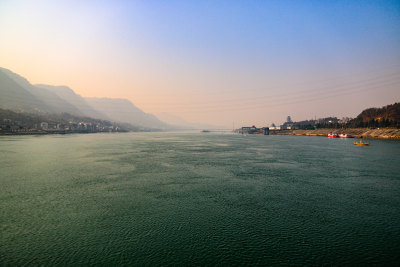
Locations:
387 116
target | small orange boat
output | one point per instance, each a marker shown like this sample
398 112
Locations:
361 143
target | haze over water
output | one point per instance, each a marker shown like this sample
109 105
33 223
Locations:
205 199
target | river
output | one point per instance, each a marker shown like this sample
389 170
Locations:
149 199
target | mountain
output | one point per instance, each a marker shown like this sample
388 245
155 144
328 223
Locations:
122 110
18 94
68 95
15 97
22 95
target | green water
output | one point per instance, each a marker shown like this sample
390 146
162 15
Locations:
198 199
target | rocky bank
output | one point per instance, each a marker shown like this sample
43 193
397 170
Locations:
384 133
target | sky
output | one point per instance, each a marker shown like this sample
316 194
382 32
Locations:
228 63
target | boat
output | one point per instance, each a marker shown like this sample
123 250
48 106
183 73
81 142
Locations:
343 135
361 143
332 135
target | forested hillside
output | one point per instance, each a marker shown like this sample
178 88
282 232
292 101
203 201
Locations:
387 116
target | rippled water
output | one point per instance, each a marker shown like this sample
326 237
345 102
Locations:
198 199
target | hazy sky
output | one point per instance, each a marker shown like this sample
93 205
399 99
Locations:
217 62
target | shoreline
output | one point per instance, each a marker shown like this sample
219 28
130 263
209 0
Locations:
52 132
382 133
386 133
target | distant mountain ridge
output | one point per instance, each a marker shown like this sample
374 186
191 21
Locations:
125 111
74 99
18 94
15 97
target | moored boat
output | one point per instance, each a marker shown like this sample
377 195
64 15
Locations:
332 135
343 135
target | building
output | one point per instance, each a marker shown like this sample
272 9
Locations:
44 125
288 125
275 127
248 130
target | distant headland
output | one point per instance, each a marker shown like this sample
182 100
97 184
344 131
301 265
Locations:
371 123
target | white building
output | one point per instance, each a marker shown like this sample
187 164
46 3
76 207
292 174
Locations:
44 125
275 127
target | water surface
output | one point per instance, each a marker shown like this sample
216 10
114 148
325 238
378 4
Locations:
198 199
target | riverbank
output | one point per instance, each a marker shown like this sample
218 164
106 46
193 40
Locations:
2 133
386 133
